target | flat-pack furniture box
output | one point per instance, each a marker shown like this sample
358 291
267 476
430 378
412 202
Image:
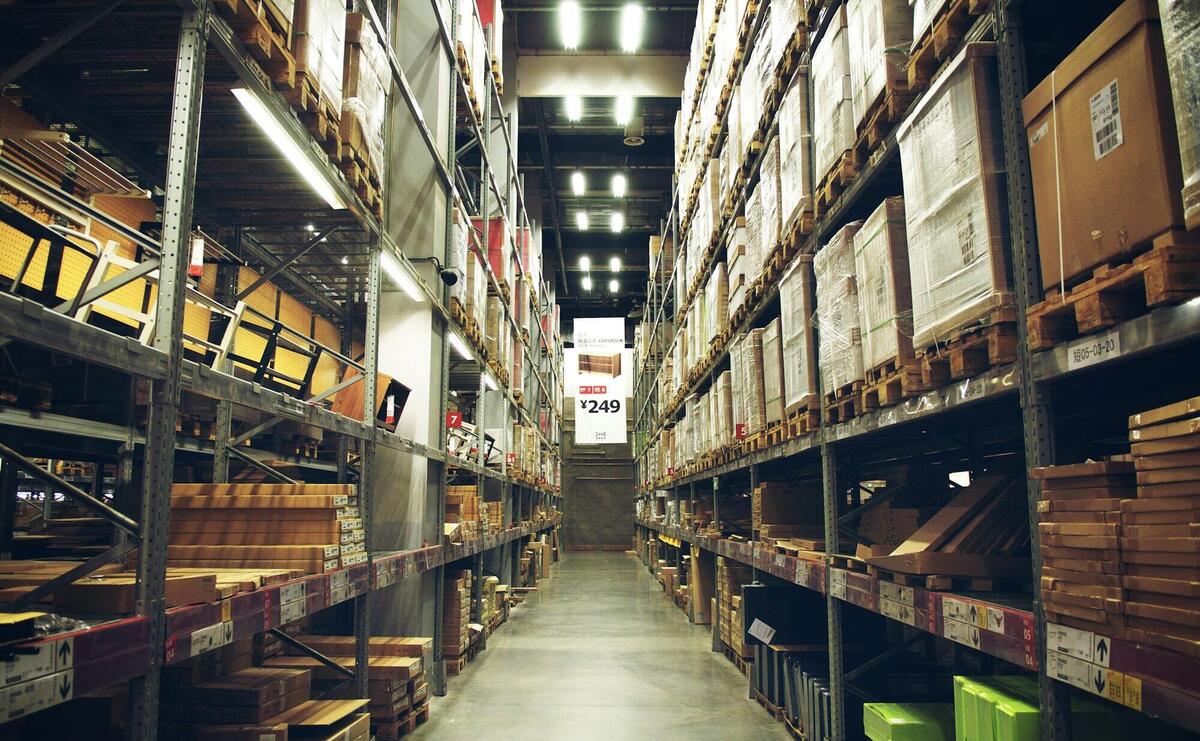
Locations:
955 211
838 325
833 122
795 152
716 301
1181 36
366 80
772 373
318 43
884 292
771 225
797 308
878 33
1102 147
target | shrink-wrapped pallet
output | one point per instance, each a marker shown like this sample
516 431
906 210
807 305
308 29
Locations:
838 325
318 41
750 106
878 34
476 294
754 222
456 254
737 384
366 79
756 410
713 195
725 408
733 132
729 164
955 215
491 14
1181 36
763 61
771 226
786 22
717 301
884 292
797 310
795 152
735 253
833 122
773 382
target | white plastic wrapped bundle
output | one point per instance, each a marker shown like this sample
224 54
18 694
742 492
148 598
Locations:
456 257
923 13
838 326
729 165
737 381
833 124
878 32
754 223
717 301
795 142
952 163
735 252
366 81
771 226
1181 37
785 22
714 419
733 131
723 46
884 293
756 408
750 107
319 40
773 381
476 297
797 310
725 408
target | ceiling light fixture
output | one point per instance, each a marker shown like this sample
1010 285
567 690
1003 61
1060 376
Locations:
345 259
581 220
490 382
613 286
574 107
618 186
585 263
570 23
287 147
459 345
632 20
401 278
624 109
587 282
578 184
617 222
614 264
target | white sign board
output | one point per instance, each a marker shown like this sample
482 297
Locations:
599 384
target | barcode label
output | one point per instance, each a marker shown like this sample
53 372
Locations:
1106 120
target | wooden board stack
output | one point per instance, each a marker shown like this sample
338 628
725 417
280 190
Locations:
1160 529
251 696
456 615
1079 517
462 508
309 527
730 578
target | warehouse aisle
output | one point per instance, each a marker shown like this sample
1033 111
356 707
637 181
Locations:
599 653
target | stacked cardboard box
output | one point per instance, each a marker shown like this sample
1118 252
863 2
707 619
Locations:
318 43
311 527
463 508
838 322
456 613
787 509
1079 526
737 264
250 696
797 306
773 385
730 578
833 122
877 35
884 290
885 526
1160 529
953 169
366 80
795 155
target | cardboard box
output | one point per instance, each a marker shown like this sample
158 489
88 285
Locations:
884 290
1102 147
838 322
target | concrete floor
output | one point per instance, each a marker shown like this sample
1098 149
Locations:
599 652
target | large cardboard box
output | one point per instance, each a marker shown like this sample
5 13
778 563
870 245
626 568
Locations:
884 292
318 42
878 33
1102 147
838 323
797 306
833 124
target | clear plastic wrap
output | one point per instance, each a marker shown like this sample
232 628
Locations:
319 33
476 294
737 380
884 293
770 227
773 381
923 13
877 33
765 62
456 257
838 325
1181 37
785 22
754 223
756 410
750 101
833 124
797 310
714 417
725 408
717 301
366 81
795 178
735 253
733 130
956 221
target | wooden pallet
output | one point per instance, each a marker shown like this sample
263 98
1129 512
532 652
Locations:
812 11
882 116
892 382
319 116
972 351
1168 273
776 434
849 563
805 420
834 182
943 37
741 662
844 403
455 664
266 33
774 710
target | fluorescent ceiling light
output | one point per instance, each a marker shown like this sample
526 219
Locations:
613 286
587 282
632 18
288 148
624 109
459 345
618 186
570 23
311 228
345 259
614 264
489 381
581 220
585 263
574 107
578 184
617 221
401 277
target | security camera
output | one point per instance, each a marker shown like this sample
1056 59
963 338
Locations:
450 276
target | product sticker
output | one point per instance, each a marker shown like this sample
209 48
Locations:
1106 120
761 631
1039 134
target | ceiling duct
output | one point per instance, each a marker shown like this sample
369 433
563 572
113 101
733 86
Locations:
635 132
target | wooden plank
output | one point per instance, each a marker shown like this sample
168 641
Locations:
942 525
1170 412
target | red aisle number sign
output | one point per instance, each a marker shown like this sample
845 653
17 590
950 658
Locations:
453 420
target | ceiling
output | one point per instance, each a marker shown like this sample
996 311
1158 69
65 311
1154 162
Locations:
551 148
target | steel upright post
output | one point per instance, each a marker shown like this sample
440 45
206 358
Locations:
833 608
366 475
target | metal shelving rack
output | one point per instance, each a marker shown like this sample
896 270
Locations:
135 648
1030 404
